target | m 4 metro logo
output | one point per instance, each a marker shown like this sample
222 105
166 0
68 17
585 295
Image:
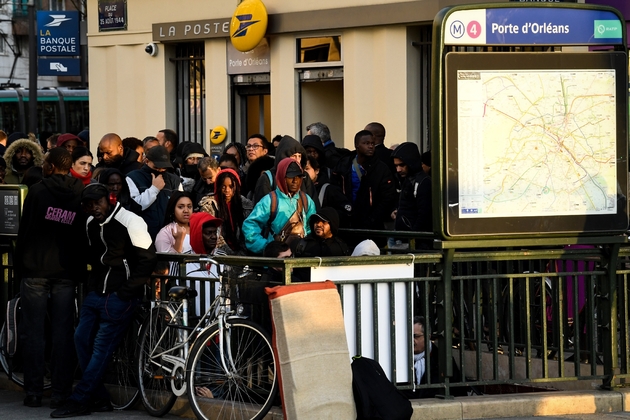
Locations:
248 25
466 27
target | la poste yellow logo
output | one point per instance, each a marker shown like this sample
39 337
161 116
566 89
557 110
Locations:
218 134
248 25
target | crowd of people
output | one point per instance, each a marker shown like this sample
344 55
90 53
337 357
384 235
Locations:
281 198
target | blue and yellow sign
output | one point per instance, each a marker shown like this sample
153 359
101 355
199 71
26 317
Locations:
218 134
248 25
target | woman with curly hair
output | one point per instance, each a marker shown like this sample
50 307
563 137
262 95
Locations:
229 205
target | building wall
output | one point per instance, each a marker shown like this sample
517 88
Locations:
133 94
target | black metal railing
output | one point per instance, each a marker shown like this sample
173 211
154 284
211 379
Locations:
531 314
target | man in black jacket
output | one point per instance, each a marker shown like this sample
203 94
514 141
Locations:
414 211
50 261
323 240
152 186
368 183
122 257
115 155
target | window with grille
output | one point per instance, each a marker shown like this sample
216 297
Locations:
191 91
56 5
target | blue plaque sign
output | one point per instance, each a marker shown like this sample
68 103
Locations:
58 66
58 33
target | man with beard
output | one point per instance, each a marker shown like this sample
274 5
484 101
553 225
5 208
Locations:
115 155
169 139
152 186
20 156
50 262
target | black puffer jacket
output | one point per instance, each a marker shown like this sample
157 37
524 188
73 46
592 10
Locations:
122 254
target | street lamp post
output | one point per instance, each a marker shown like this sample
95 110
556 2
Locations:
32 69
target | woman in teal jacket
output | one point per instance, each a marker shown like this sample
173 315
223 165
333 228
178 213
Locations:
288 197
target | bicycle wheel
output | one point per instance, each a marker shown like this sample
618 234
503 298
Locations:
153 372
13 366
248 387
120 377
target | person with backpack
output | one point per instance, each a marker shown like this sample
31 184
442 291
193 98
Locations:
414 212
283 213
288 148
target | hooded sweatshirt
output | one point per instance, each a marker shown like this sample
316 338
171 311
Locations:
287 147
51 238
314 246
12 176
414 203
287 204
325 172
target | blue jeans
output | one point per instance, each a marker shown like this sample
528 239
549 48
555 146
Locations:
35 293
102 324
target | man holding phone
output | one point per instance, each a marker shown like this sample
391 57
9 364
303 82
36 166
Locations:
152 186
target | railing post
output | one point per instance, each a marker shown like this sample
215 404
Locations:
607 322
445 322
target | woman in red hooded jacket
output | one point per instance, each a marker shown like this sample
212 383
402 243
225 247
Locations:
228 204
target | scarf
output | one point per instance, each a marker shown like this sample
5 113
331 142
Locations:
419 364
85 179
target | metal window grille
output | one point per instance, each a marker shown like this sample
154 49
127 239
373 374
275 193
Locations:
191 91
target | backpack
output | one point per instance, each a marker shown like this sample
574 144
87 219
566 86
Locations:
375 396
274 210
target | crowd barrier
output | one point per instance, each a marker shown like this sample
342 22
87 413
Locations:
521 314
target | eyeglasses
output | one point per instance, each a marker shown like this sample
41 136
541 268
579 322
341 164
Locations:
253 146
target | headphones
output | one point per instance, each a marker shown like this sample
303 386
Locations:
112 199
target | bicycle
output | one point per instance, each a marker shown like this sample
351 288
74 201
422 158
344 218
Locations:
120 376
225 362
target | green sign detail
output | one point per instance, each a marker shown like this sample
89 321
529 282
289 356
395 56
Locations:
607 29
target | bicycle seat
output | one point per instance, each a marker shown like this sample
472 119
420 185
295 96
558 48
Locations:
181 292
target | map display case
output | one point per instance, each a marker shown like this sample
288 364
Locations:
530 135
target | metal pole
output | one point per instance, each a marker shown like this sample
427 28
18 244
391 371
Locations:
32 69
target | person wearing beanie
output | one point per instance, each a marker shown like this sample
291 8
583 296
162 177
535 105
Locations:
122 257
69 141
228 204
50 260
283 214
